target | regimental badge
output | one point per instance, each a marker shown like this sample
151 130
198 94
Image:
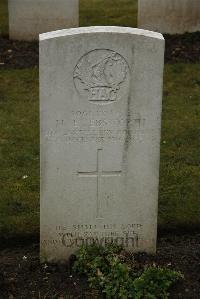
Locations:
100 74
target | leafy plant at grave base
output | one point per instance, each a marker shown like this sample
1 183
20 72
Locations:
94 260
155 282
106 269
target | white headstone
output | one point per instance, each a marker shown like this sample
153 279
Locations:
169 16
101 94
29 18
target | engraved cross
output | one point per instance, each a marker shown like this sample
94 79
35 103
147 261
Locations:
98 174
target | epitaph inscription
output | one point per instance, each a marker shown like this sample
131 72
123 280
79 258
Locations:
127 235
100 74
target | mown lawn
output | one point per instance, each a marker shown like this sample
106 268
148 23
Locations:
3 18
19 155
108 12
179 200
179 203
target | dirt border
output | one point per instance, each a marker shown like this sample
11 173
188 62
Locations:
19 55
22 276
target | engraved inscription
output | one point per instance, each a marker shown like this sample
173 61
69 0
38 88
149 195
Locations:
98 174
125 241
127 235
99 127
75 235
100 75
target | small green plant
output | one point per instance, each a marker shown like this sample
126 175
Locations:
107 269
155 282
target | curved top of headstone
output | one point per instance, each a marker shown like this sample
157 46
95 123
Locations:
101 29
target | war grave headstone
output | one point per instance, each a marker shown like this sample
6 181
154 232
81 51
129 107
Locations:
169 16
29 18
100 105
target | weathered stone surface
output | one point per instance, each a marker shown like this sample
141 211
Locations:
29 18
101 94
169 16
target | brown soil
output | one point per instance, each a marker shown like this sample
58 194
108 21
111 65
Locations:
22 276
18 55
182 48
179 48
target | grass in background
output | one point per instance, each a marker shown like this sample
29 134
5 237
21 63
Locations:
19 152
3 18
179 203
108 12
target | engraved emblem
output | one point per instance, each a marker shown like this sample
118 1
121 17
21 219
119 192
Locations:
101 76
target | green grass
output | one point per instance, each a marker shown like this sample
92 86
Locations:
3 18
108 12
19 152
179 203
92 12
